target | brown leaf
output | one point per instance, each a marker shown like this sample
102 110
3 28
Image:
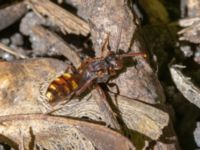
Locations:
52 133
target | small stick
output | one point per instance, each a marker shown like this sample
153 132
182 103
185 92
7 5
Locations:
105 108
10 51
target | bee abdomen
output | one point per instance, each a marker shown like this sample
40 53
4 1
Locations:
62 87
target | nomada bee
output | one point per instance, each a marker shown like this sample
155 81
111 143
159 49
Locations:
92 71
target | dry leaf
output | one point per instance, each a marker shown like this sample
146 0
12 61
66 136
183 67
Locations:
54 133
185 86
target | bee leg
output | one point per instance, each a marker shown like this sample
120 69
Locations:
86 62
115 93
84 87
114 85
52 111
60 106
71 68
105 108
105 45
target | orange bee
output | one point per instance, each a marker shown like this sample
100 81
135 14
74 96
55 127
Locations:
97 70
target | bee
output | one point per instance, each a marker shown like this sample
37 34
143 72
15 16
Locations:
91 72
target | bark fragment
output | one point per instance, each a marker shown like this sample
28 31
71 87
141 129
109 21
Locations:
185 86
66 21
11 14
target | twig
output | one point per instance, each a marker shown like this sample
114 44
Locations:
10 51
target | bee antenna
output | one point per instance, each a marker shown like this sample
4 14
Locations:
133 54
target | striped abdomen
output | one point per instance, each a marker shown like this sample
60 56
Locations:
61 88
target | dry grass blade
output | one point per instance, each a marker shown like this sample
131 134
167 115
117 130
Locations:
65 20
54 133
185 86
10 51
